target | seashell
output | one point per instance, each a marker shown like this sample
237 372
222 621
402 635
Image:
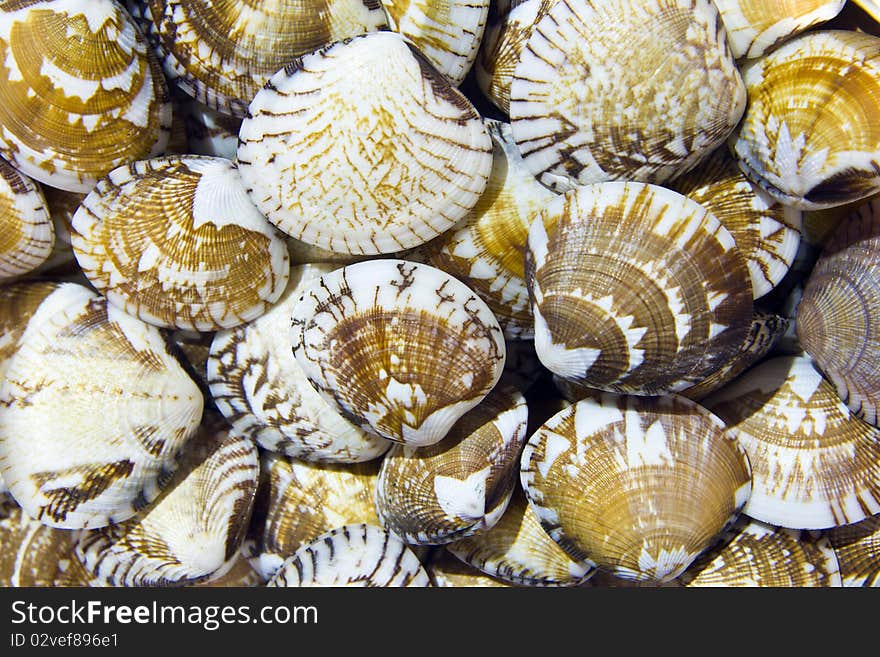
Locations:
299 501
257 384
485 250
447 571
27 235
754 554
461 485
517 550
857 547
95 411
302 253
61 205
194 530
193 349
823 150
838 317
635 288
638 486
176 242
19 301
238 573
402 349
814 465
754 26
390 172
82 94
622 90
353 555
819 225
870 7
210 132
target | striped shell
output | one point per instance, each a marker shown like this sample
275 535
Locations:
621 90
176 242
447 571
353 555
95 411
27 234
389 172
814 464
18 302
257 384
858 550
402 349
635 288
638 486
824 149
81 92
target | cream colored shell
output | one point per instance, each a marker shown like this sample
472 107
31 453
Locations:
857 547
27 235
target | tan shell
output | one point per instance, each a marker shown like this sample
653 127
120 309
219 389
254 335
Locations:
638 486
83 94
870 7
448 571
18 302
857 547
27 235
176 242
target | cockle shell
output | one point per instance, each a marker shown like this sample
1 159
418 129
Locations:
238 573
257 384
210 132
353 555
838 317
858 547
83 94
176 242
402 349
95 411
824 149
638 486
19 300
448 571
27 234
814 464
621 90
635 288
389 172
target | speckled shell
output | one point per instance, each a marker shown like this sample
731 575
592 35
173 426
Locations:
395 169
448 571
95 411
27 234
635 288
358 555
838 317
823 150
82 92
176 242
257 384
858 551
402 349
621 90
222 53
814 464
636 485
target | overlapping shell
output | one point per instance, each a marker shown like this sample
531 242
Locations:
27 235
210 132
448 571
857 547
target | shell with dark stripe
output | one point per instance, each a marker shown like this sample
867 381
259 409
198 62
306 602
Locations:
27 234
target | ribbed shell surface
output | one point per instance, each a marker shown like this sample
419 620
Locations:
857 547
27 234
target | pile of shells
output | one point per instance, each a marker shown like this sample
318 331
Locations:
526 293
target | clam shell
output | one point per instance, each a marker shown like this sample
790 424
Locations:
623 90
857 547
210 132
18 303
447 571
635 288
638 486
176 242
824 149
402 349
353 555
83 94
814 464
27 235
389 172
237 573
95 411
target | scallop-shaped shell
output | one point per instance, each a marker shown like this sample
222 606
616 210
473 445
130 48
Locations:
176 242
210 132
95 411
27 234
461 485
823 150
755 554
755 26
838 317
814 464
18 302
402 349
193 530
359 555
448 571
82 92
485 250
298 501
635 288
858 551
623 90
389 172
638 486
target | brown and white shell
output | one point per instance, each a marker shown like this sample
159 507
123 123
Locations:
635 288
448 571
638 486
82 92
858 551
27 235
210 132
402 349
388 172
19 300
95 411
176 242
